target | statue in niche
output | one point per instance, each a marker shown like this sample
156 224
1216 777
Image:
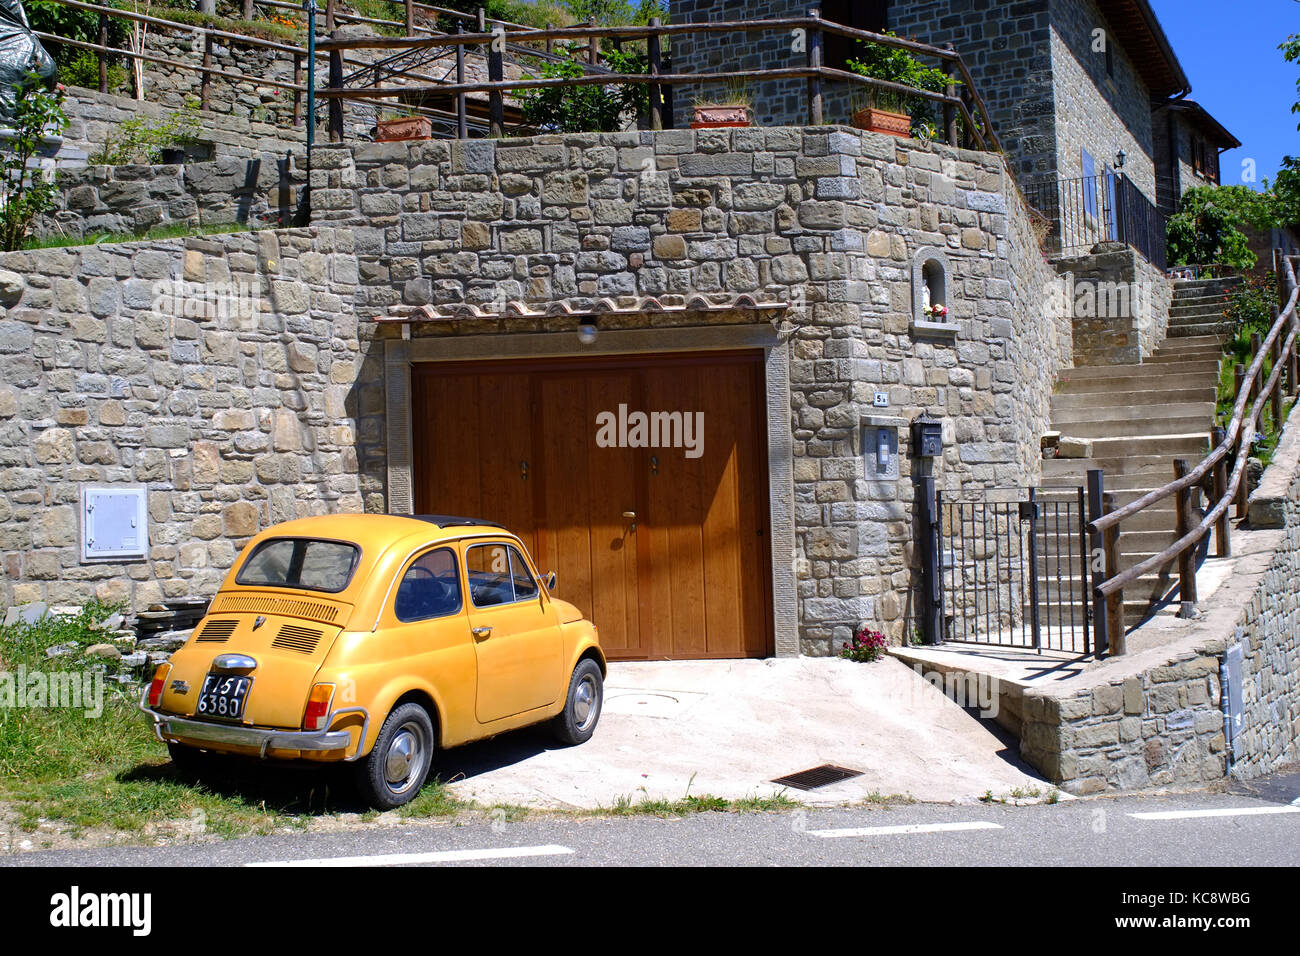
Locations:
21 57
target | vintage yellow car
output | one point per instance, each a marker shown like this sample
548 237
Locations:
373 640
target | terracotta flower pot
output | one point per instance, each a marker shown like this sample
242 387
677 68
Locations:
714 117
407 127
882 121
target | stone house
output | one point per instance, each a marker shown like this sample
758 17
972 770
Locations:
1188 143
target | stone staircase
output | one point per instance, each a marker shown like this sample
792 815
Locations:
1138 418
1196 308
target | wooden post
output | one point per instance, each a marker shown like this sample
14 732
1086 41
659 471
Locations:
1115 602
593 45
1275 397
949 111
248 10
205 83
1254 350
656 96
1279 271
1187 558
410 18
550 43
462 117
1222 530
1291 380
335 77
297 94
815 62
99 54
1097 551
496 73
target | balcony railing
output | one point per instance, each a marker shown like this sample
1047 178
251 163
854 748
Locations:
1087 210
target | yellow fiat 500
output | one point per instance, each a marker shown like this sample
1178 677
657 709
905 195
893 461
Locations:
372 640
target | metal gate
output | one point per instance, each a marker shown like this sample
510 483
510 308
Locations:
1013 572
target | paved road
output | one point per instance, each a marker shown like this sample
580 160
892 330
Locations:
1256 825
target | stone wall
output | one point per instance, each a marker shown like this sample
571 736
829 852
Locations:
226 374
1093 110
92 116
1119 305
827 219
267 190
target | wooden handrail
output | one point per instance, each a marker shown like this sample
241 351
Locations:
1240 433
178 25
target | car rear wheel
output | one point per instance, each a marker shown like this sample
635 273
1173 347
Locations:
397 766
577 722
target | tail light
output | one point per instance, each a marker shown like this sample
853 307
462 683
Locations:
318 707
159 683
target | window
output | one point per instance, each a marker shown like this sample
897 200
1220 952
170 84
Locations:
301 563
871 15
498 575
1089 184
430 587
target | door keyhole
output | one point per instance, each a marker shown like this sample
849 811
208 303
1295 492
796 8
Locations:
631 516
654 464
523 470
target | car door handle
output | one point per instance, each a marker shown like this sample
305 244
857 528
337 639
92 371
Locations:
482 632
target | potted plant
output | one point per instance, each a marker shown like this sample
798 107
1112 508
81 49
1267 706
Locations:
884 112
402 124
892 111
734 109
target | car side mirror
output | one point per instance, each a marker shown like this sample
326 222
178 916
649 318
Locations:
550 580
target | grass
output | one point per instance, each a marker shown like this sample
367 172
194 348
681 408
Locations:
627 806
171 231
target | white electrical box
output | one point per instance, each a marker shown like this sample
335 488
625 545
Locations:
114 523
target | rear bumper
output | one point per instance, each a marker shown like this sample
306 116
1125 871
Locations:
170 728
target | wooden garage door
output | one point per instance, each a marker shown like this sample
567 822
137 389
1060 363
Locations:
665 547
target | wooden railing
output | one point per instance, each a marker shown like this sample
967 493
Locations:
1224 490
960 97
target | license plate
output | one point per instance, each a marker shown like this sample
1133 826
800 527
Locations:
223 695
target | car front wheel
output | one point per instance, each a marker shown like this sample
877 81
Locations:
577 722
397 766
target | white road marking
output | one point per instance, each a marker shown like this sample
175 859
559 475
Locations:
1227 812
435 856
905 828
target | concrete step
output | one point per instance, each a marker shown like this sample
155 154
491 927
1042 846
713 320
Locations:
1101 410
1178 352
1188 445
1158 468
1193 367
1140 483
1155 381
1176 396
1135 428
1199 329
1190 341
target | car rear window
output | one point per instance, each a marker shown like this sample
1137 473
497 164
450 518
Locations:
300 563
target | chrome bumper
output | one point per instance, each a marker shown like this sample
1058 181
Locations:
167 727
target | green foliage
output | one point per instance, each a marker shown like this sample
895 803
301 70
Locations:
1291 53
139 138
83 71
613 13
75 24
1286 192
1250 310
591 108
28 192
899 66
1206 227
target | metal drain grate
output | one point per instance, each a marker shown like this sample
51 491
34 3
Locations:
822 776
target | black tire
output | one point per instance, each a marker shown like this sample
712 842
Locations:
577 722
397 766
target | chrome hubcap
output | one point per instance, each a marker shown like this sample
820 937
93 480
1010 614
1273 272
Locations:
405 758
585 697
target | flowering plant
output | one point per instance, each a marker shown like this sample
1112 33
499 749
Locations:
867 646
937 311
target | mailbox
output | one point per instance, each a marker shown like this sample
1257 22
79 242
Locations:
927 438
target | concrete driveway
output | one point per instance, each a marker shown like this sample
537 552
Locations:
726 728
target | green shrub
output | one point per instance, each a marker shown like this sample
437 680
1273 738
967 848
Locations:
28 191
594 108
1207 226
83 71
899 66
140 138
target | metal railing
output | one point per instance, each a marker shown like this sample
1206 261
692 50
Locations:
1209 476
1087 210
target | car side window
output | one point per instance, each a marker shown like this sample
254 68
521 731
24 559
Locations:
498 575
430 587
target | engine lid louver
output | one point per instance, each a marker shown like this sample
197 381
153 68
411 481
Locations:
216 632
295 638
286 607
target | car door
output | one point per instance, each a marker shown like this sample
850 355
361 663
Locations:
515 630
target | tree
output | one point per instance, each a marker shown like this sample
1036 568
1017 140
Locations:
1291 53
1206 227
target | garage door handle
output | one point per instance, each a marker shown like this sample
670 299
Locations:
482 632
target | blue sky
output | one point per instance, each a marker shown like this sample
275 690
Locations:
1229 52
